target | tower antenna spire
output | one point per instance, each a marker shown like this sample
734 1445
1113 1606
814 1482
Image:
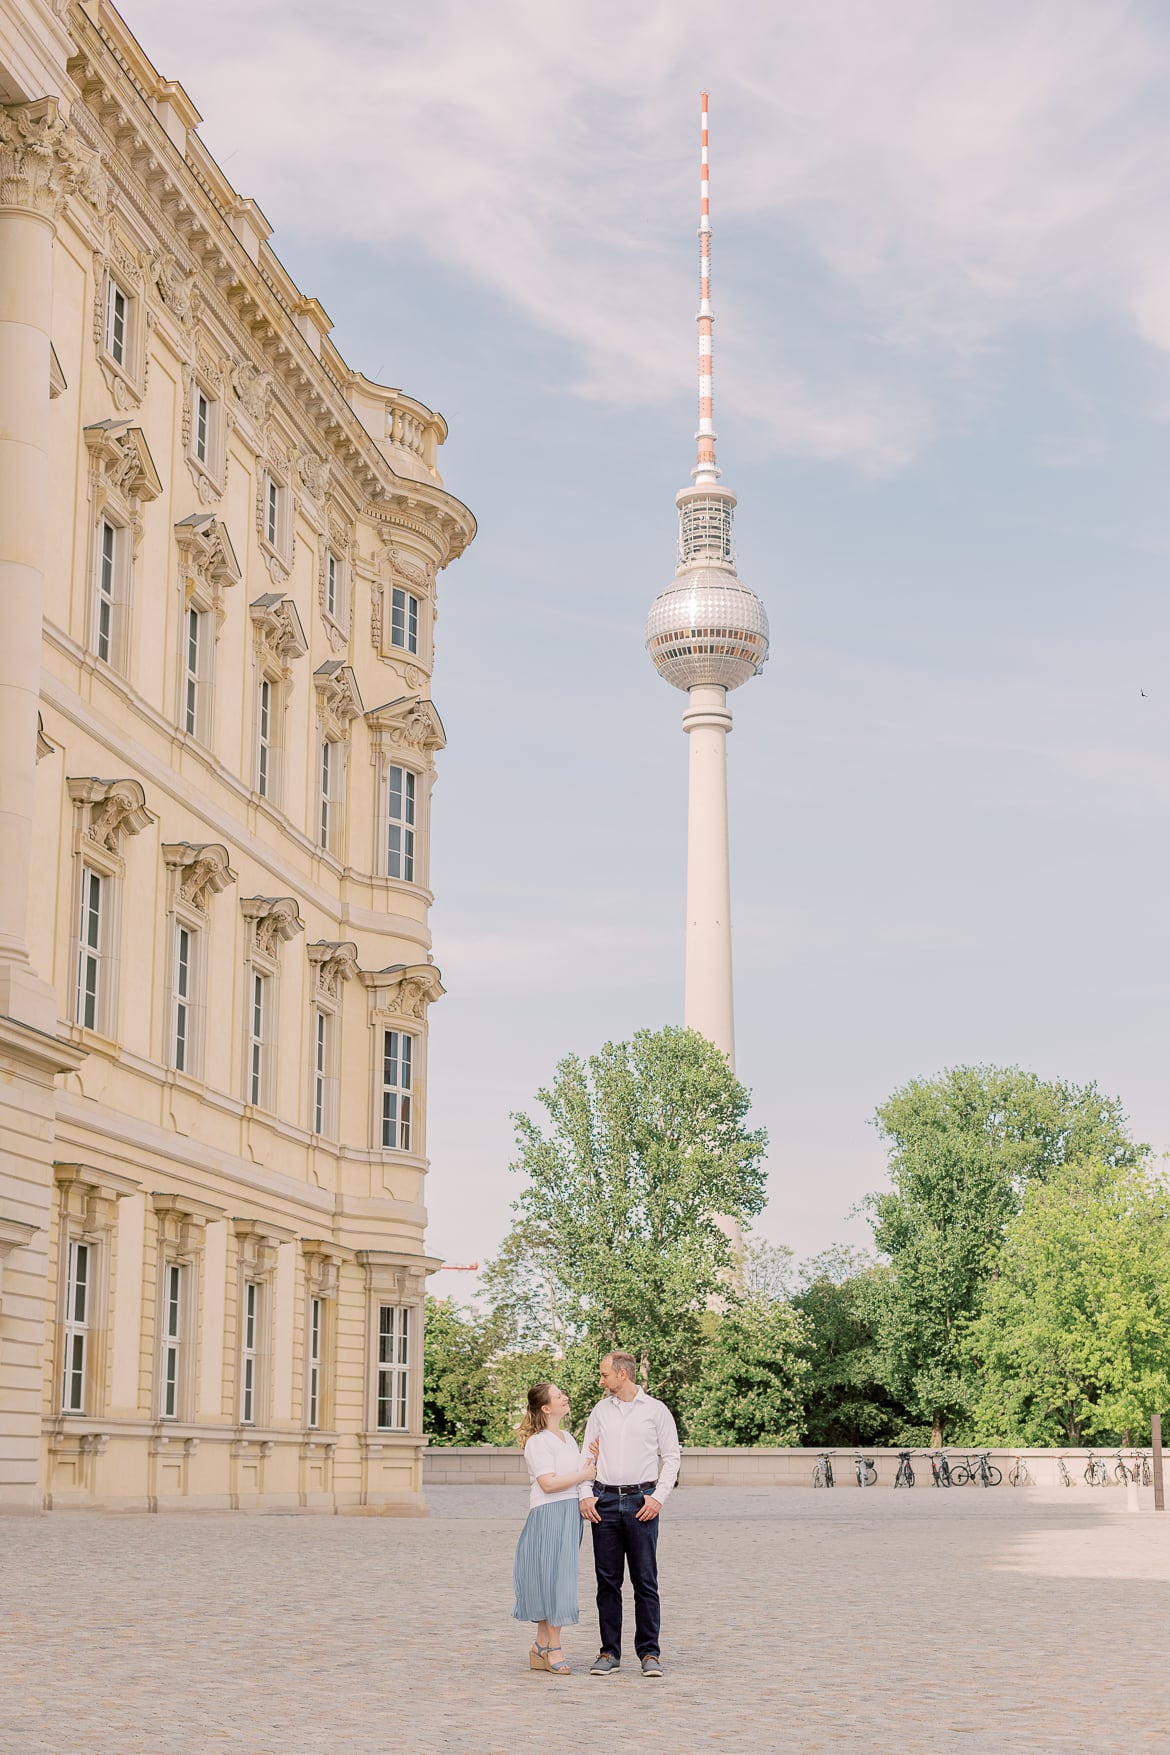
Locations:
705 469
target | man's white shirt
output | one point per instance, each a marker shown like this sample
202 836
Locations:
639 1442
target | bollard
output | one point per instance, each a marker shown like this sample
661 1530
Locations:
1156 1441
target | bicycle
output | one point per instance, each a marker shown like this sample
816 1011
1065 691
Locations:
1019 1476
1096 1474
1141 1470
978 1468
905 1474
866 1472
1121 1474
1065 1477
940 1469
823 1473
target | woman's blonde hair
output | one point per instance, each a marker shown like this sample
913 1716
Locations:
533 1421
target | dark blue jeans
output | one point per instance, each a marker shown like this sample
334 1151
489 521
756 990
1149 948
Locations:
620 1540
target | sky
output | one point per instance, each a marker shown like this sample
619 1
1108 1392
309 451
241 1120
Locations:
941 266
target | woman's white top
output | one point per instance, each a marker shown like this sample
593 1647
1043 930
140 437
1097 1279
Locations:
551 1453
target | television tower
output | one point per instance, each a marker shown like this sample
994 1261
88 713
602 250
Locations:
707 633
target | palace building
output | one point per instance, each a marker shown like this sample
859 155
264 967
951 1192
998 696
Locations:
218 552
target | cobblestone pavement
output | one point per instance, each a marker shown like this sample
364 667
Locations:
793 1620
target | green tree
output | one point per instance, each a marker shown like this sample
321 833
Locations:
766 1269
1071 1341
846 1401
459 1399
753 1371
963 1148
646 1145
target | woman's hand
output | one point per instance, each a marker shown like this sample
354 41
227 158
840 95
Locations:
588 1470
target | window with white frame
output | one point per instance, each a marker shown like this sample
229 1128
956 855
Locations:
275 522
201 426
393 1385
92 945
111 591
397 1090
332 585
118 317
403 620
249 1351
173 1340
75 1330
400 822
332 787
268 696
314 1355
259 1036
185 998
324 1084
198 657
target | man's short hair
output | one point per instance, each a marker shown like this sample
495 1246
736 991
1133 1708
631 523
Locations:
624 1362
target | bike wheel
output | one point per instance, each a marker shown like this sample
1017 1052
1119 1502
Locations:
909 1475
994 1477
960 1475
818 1477
1121 1475
1091 1474
1015 1478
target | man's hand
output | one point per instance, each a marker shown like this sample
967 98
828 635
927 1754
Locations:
649 1511
589 1510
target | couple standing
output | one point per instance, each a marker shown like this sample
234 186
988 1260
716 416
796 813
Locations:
618 1484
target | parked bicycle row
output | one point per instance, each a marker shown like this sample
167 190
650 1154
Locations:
977 1469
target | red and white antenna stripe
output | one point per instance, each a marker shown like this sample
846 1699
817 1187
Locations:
705 468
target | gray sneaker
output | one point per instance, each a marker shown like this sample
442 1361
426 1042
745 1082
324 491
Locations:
651 1666
604 1664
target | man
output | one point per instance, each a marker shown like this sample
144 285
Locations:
637 1465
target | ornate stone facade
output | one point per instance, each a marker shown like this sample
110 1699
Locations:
212 1248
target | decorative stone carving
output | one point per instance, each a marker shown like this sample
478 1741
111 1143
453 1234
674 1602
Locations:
207 561
127 379
410 722
200 872
279 635
121 469
404 991
43 160
312 473
112 809
258 1244
337 696
251 386
275 919
334 962
173 284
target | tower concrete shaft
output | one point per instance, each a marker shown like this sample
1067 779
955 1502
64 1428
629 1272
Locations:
708 1004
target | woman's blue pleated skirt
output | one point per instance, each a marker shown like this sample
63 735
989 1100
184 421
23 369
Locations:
545 1573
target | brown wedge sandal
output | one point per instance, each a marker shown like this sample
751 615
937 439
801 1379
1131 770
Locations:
538 1656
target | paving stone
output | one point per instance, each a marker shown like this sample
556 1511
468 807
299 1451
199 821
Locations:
793 1621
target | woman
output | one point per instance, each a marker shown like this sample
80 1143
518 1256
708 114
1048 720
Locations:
545 1573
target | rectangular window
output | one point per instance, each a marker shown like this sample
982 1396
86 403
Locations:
202 426
331 584
107 590
185 973
322 1054
248 1354
403 620
400 841
332 768
397 1090
117 322
194 672
313 1397
89 952
172 1347
76 1331
264 751
393 1368
258 1038
272 512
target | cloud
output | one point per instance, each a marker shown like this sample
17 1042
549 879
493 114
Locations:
898 185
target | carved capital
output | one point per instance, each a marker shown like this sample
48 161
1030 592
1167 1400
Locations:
121 470
207 560
334 963
337 695
112 809
275 919
280 637
200 872
43 161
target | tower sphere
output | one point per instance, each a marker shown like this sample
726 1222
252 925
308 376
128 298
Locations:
707 627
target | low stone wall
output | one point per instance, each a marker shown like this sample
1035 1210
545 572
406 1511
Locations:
488 1465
